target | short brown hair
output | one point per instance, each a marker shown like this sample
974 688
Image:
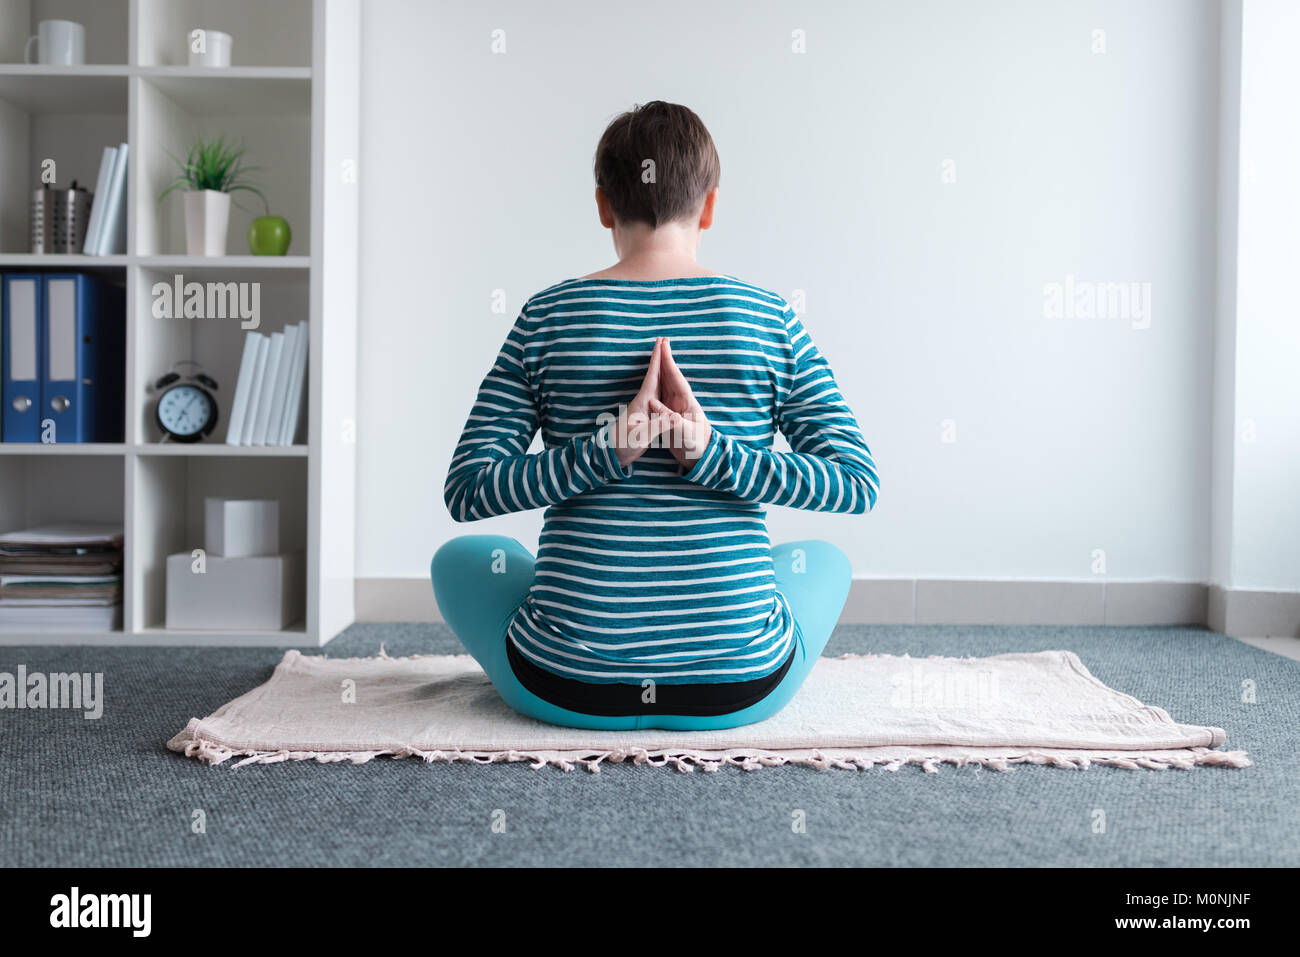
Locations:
685 163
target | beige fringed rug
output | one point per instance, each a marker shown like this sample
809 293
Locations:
852 712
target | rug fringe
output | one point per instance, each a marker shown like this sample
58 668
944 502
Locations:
688 761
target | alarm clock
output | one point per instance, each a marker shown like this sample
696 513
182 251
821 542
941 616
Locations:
186 410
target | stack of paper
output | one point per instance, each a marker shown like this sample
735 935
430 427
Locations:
270 391
106 229
61 577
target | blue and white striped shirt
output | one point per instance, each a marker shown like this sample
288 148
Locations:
646 572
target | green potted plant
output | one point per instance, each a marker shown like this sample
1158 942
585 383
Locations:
213 170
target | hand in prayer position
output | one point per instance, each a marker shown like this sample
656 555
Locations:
664 405
689 430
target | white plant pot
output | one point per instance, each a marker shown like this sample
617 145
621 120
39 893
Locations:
207 217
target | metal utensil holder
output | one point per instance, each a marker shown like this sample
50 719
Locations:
59 219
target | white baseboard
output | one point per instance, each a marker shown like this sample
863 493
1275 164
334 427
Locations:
1250 613
877 601
395 599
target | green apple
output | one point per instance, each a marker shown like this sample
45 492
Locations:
269 236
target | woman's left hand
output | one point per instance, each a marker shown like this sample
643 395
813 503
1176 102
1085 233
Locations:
689 429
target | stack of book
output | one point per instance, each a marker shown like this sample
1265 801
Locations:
61 578
106 229
268 402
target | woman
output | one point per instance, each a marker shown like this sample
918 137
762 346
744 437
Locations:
656 599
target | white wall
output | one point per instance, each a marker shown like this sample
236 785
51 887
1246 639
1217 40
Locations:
1262 310
1072 435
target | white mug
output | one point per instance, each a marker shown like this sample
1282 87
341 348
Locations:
60 42
213 48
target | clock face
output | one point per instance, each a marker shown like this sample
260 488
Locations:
186 411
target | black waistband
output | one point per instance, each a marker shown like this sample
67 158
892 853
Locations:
614 700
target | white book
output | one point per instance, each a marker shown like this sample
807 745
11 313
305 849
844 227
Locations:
293 401
275 422
255 390
263 418
239 405
112 227
61 618
56 579
99 199
66 533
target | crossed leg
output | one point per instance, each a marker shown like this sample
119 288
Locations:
480 581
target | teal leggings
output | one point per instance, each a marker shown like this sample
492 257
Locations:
481 580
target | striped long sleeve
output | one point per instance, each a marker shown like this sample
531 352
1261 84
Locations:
491 472
646 573
830 468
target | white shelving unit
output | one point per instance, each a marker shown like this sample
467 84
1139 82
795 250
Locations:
291 99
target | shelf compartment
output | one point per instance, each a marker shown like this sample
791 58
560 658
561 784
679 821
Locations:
111 434
106 22
278 144
55 127
41 487
217 344
264 34
39 490
168 494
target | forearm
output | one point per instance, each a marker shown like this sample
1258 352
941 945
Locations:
844 480
484 482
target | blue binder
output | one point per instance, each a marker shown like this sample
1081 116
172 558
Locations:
22 319
84 361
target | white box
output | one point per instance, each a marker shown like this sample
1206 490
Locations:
259 593
241 527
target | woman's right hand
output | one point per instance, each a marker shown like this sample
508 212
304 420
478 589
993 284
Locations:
636 427
688 425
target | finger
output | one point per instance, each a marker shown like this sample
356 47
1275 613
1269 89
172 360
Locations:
640 430
671 368
650 384
659 425
669 361
693 438
659 408
665 419
660 420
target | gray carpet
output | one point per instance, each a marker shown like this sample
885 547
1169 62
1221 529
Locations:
107 792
